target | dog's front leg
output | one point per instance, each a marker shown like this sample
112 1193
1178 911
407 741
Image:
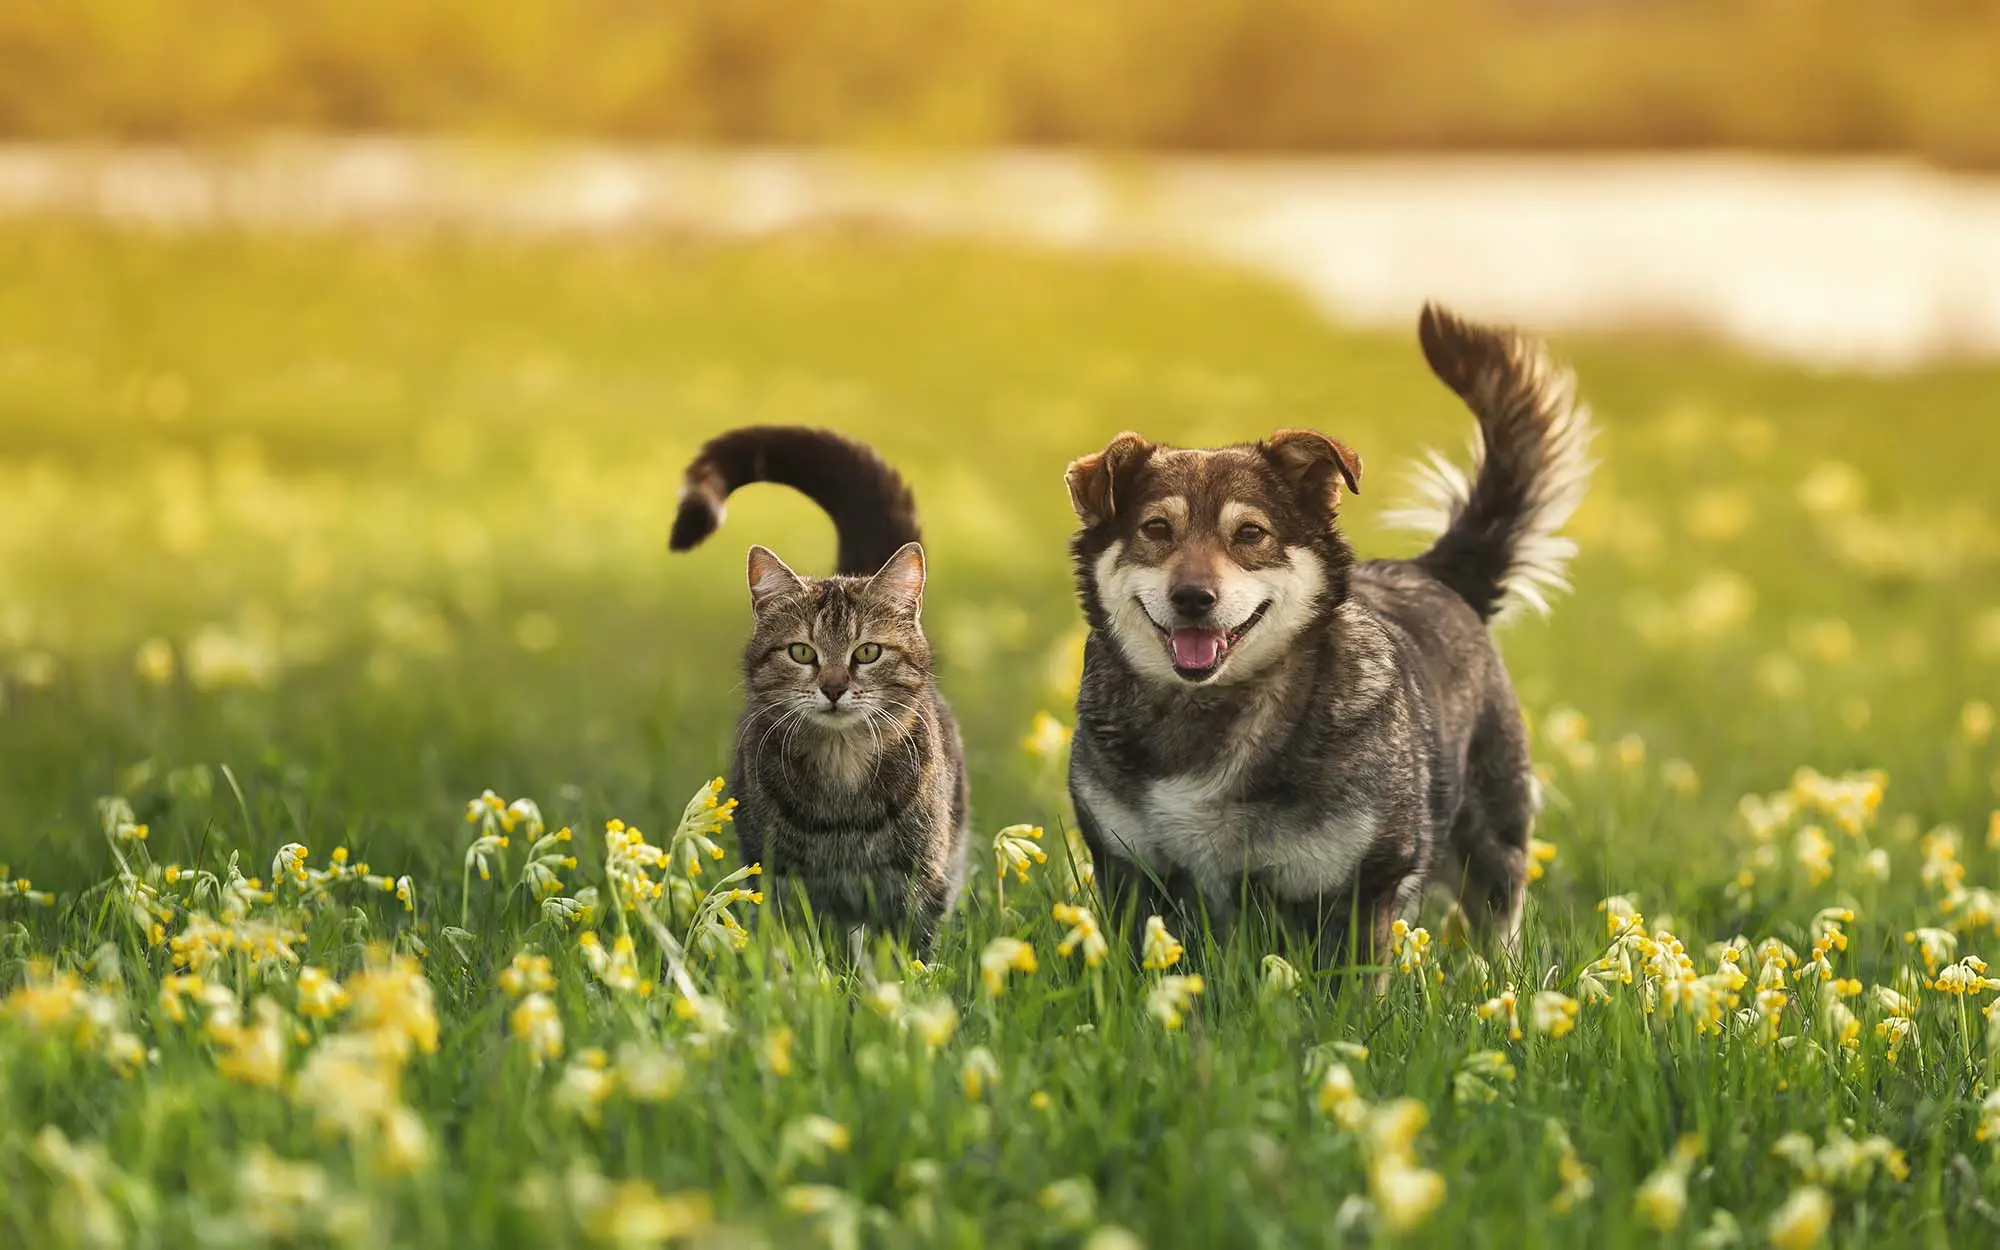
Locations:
1127 892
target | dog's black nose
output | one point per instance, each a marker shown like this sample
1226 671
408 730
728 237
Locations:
1193 600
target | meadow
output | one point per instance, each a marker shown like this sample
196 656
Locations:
351 706
1834 76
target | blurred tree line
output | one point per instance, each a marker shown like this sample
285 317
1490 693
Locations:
1248 75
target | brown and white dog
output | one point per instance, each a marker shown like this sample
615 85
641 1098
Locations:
1265 723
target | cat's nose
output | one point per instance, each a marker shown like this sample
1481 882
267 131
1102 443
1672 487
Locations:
833 688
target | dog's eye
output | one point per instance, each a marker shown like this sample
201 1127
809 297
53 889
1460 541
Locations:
868 653
1250 535
801 653
1157 530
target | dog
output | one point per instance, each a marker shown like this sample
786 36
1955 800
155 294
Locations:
1266 724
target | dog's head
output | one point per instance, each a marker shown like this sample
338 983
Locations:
1204 565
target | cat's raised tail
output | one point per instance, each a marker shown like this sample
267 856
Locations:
872 509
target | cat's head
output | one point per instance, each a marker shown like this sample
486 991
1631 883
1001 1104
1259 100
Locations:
839 653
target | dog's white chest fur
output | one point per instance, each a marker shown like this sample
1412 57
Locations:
1196 825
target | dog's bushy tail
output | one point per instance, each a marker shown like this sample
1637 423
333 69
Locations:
873 512
1498 528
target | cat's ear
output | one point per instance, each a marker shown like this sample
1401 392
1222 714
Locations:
901 580
770 577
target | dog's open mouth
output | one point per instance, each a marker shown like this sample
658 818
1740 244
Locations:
1198 653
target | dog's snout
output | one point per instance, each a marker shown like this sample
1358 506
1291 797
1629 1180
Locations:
1191 599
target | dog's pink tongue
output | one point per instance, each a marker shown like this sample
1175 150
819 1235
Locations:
1198 648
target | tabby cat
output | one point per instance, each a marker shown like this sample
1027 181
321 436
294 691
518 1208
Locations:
848 770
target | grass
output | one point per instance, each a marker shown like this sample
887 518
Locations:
313 540
1221 75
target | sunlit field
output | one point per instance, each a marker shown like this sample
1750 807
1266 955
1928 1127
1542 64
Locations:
351 706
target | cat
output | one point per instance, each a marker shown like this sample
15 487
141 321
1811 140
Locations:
848 768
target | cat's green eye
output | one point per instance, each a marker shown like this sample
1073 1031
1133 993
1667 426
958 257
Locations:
868 653
802 653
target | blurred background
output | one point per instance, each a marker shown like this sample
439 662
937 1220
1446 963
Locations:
350 352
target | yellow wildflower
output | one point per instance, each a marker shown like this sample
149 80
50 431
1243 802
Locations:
1552 1013
978 1071
778 1053
1046 738
1279 975
1340 1098
1015 848
320 996
1169 999
1161 949
1083 933
1408 947
1803 1220
1975 721
1405 1194
527 974
1506 1008
1662 1199
535 1023
1540 855
1002 956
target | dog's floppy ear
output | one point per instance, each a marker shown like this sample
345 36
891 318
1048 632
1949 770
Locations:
1315 464
1092 480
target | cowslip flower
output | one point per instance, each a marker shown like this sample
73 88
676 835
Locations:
648 1073
1169 999
1577 1182
933 1022
1279 976
977 1072
1899 1023
1505 1008
1474 1082
1552 1013
809 1139
1084 934
1161 949
535 1024
1814 853
1540 855
585 1087
778 1053
1989 1118
1405 1194
1340 1098
527 974
1071 1203
390 996
1046 738
320 996
1936 946
1015 848
633 1213
1803 1220
1975 721
706 813
1408 947
1941 869
617 968
1002 956
253 1054
1620 914
1967 976
1662 1199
